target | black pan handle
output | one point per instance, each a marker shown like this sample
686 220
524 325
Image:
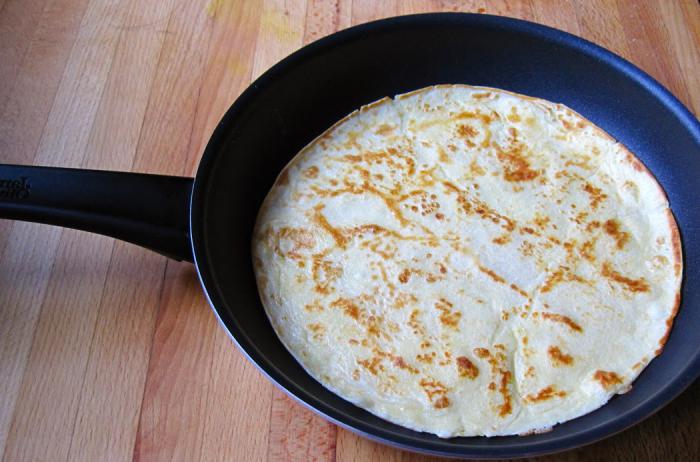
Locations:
148 210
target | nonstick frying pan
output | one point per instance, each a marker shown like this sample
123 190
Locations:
209 219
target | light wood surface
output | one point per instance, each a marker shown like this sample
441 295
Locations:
110 352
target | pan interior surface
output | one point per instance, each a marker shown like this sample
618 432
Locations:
306 93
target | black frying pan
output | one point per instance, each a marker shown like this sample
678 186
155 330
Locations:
209 220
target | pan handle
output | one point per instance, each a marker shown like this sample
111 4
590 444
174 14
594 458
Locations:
148 210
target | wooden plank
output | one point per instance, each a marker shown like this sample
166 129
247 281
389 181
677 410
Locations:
47 406
557 13
27 97
600 23
281 32
18 20
369 10
112 389
133 289
682 21
189 407
353 448
228 70
323 17
171 425
30 249
649 42
297 434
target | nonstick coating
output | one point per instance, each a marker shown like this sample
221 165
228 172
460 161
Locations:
306 93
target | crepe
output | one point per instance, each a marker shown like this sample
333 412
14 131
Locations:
469 261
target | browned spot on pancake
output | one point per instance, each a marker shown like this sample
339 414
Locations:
545 394
486 212
669 324
399 362
562 274
527 248
330 272
587 250
426 358
485 118
519 290
562 319
675 243
593 225
497 362
568 125
596 195
441 402
467 131
505 408
633 285
516 166
466 368
530 372
434 389
384 129
318 330
514 116
447 317
302 239
580 218
636 164
321 220
314 307
442 155
502 239
612 228
353 341
356 374
607 379
415 324
580 163
373 365
447 360
482 95
492 386
348 306
482 353
403 299
373 325
528 230
541 221
311 172
492 275
559 357
475 169
425 344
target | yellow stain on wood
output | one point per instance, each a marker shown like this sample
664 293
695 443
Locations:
276 23
215 6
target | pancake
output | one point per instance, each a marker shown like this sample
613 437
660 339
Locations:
469 261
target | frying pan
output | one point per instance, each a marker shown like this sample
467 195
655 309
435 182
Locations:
209 219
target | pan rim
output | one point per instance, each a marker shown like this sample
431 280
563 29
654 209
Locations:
468 446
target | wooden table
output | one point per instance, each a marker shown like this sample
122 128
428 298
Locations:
108 351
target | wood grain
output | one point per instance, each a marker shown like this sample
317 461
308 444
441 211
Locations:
110 352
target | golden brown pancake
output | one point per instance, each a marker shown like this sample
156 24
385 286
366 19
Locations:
469 261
